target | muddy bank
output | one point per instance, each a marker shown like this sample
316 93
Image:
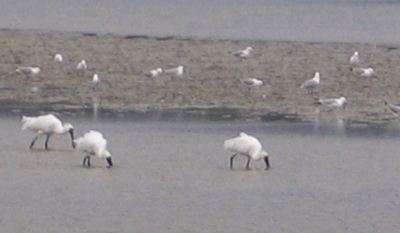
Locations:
210 84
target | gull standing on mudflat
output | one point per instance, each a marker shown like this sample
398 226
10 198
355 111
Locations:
95 81
251 82
334 103
393 108
364 72
248 146
93 143
245 53
81 67
58 58
154 73
28 71
46 125
178 71
310 84
354 59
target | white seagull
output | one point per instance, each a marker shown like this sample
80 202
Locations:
334 103
364 72
28 71
246 53
81 67
46 125
310 84
394 108
95 80
252 82
248 146
58 58
178 71
354 59
93 143
154 73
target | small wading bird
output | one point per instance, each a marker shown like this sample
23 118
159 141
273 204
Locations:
58 58
248 146
95 81
28 71
354 59
93 143
154 73
364 72
334 103
310 84
178 71
81 67
243 54
46 125
393 108
251 82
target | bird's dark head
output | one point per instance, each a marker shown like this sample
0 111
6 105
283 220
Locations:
107 156
71 133
266 159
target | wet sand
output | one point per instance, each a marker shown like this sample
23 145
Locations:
210 84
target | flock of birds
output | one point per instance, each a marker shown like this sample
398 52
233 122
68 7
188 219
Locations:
94 144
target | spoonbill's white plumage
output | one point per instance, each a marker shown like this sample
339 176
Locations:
310 84
245 53
354 59
46 125
393 108
154 73
248 146
177 71
334 103
364 72
58 58
28 71
81 67
93 143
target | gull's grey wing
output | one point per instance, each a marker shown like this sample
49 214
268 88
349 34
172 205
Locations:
309 84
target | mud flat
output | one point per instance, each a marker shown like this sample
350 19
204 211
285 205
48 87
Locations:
210 86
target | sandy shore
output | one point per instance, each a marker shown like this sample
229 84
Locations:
210 84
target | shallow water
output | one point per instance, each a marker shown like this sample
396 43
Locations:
362 21
174 177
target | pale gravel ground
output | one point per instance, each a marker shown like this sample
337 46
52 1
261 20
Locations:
210 79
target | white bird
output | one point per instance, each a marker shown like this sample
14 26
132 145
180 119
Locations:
310 84
93 143
58 58
334 103
28 71
154 73
252 82
394 108
246 53
46 125
178 71
248 146
364 72
81 67
354 59
95 81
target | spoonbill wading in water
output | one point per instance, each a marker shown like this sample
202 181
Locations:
93 143
248 146
46 125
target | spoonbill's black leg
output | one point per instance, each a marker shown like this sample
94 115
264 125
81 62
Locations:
232 157
248 163
33 142
266 163
87 158
46 142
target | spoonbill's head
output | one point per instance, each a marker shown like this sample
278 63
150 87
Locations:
266 159
107 156
70 129
249 48
344 102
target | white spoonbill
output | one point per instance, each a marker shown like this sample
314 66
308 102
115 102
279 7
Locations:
310 84
93 143
248 146
334 103
178 71
46 125
153 73
354 59
245 53
58 58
